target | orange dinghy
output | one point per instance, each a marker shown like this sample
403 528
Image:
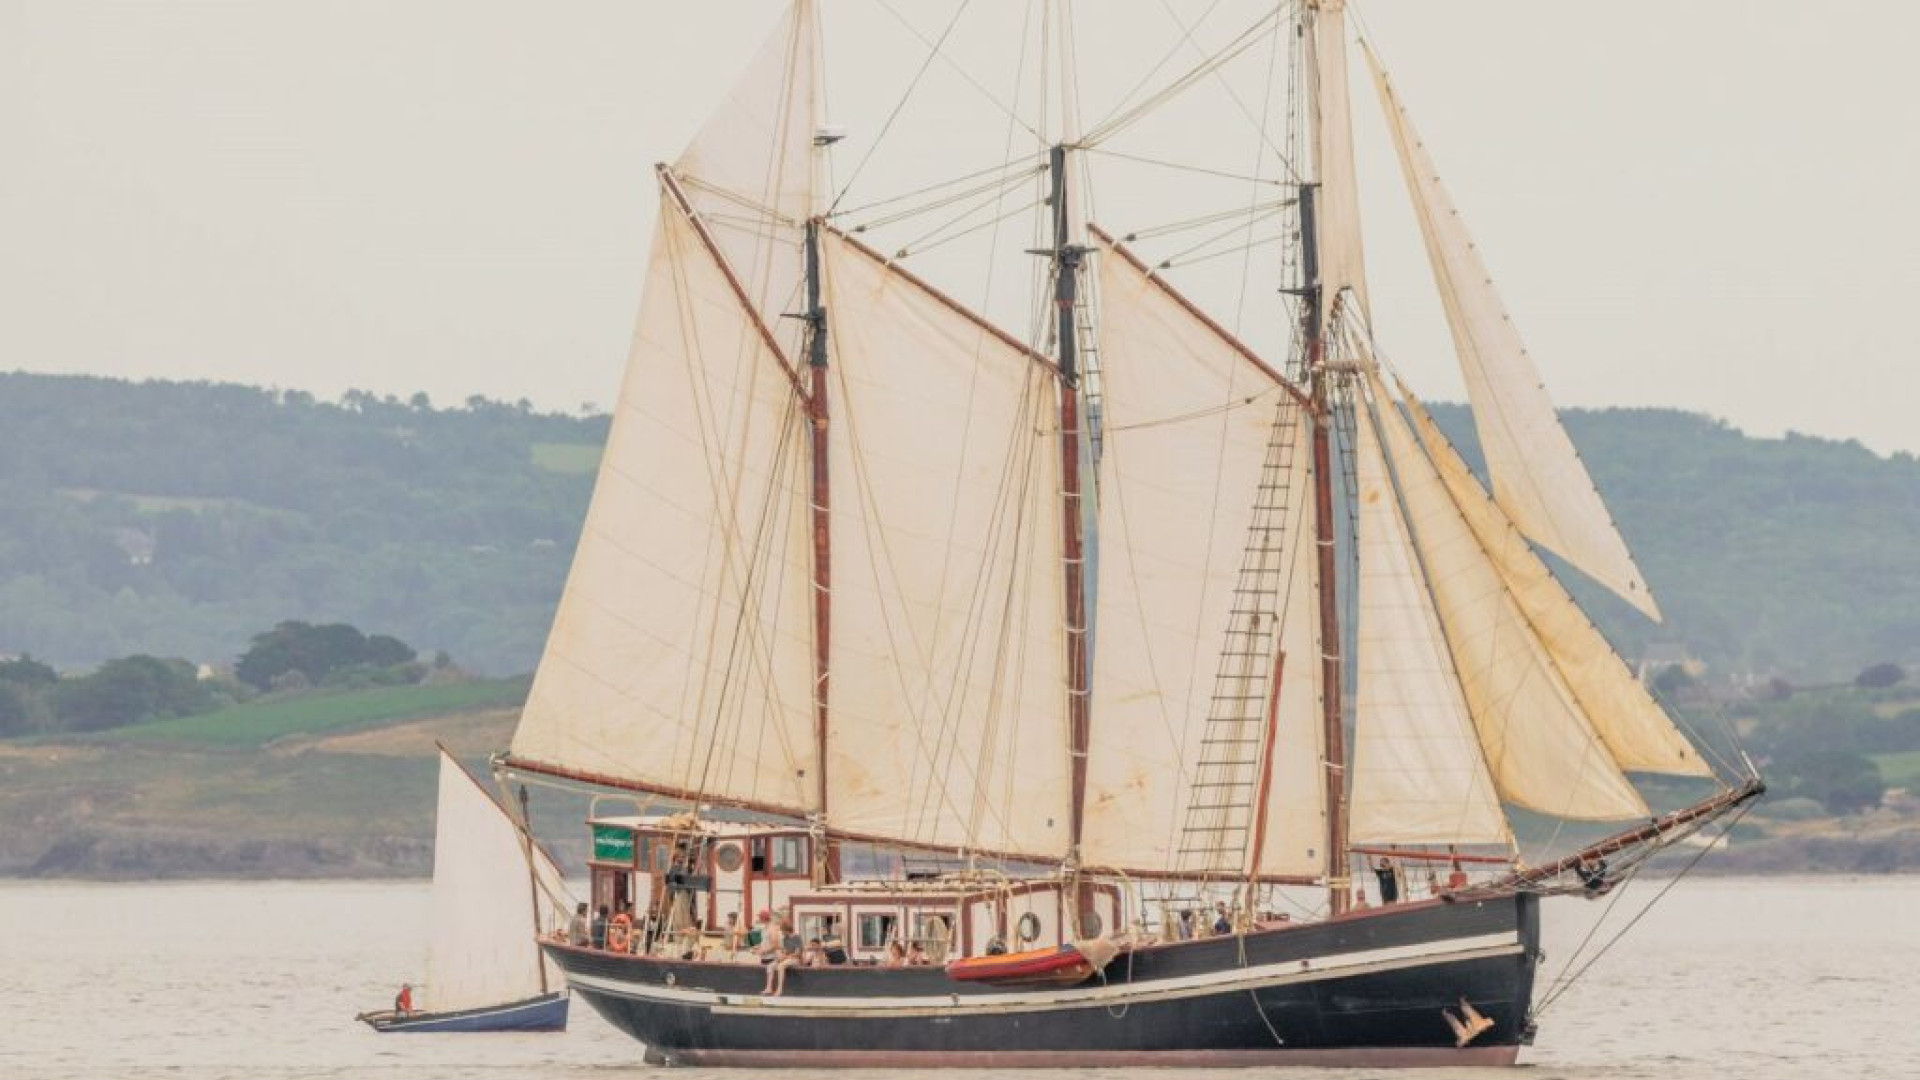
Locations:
1064 965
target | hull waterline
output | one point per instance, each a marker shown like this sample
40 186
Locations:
1373 989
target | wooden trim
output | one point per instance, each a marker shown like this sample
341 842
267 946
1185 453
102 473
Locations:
1194 310
946 301
672 187
1422 855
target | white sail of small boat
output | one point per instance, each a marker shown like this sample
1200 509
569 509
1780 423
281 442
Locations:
484 970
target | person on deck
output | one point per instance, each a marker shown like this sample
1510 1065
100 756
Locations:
597 933
1222 921
814 955
917 956
896 956
620 931
403 1001
577 930
736 934
1389 879
787 956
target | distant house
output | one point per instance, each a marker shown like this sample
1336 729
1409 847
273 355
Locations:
1665 654
136 544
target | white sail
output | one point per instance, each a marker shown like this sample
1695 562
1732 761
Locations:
948 719
748 174
1342 259
1638 733
1541 749
1538 477
1189 418
481 948
681 656
1419 776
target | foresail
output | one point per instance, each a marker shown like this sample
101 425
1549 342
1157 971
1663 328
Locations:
481 948
1343 276
1190 421
1542 751
1419 776
948 723
1538 477
748 174
681 656
1637 731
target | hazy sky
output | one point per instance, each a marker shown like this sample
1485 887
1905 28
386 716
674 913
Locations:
1701 203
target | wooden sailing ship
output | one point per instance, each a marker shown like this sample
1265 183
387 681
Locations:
1009 645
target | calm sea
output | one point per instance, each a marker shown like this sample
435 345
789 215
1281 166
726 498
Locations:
1723 980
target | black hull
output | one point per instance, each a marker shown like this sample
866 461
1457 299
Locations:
1369 989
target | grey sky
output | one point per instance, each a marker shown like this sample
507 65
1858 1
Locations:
1705 204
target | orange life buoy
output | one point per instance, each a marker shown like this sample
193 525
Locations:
620 932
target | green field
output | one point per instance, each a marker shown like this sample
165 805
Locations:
1900 770
570 459
263 721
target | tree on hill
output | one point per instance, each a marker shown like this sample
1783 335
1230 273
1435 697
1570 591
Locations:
128 691
316 652
1880 676
26 672
1844 783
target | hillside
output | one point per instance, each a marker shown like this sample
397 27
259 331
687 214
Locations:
179 518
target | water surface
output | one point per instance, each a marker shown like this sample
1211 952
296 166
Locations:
1723 980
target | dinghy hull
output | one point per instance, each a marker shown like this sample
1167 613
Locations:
545 1013
1370 989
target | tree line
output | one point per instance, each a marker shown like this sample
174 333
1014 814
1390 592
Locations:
292 657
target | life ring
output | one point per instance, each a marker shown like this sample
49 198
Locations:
620 933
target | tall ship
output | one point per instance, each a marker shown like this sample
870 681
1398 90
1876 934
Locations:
1113 692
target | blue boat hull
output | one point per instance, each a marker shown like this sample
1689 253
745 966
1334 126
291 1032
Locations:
545 1013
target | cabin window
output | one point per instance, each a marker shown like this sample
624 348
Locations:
789 855
823 927
876 931
759 857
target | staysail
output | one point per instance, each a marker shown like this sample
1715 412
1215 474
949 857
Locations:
681 658
1190 418
1638 733
1538 477
948 647
1419 776
1543 752
481 947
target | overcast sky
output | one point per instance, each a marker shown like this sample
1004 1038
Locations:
1707 204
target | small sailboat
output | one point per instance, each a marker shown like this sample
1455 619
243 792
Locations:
483 971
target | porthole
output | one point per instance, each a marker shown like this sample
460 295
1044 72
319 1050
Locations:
1090 924
728 858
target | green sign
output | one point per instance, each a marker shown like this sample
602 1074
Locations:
612 844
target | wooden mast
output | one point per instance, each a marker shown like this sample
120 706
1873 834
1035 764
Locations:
821 501
1333 723
1067 257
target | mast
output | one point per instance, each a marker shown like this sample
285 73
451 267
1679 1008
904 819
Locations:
1320 392
821 501
533 883
1067 257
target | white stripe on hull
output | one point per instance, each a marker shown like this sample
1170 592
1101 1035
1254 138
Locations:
1115 991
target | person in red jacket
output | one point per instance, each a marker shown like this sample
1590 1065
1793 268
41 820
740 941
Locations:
403 1001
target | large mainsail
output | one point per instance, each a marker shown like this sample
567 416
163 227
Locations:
1638 733
680 657
1419 775
1538 477
480 945
1542 750
948 720
1189 419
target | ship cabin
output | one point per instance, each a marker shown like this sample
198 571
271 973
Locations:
682 878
